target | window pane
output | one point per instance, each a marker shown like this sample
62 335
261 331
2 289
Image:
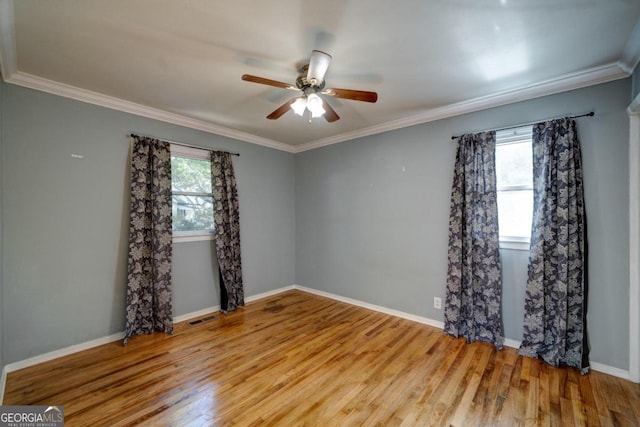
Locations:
515 212
514 164
191 175
192 213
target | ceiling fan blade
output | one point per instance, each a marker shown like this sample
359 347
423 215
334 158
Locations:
278 112
330 114
318 65
268 82
356 95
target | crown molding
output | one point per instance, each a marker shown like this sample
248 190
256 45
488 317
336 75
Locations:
603 74
83 95
10 73
579 80
574 81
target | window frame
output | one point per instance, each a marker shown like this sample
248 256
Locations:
505 137
178 150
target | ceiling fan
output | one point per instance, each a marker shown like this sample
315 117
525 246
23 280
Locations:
311 83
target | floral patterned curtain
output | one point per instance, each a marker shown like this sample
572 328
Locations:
474 281
227 230
149 305
555 304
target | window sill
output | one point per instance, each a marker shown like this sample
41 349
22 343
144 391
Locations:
194 237
514 245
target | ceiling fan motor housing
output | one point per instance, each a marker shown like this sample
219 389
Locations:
306 86
311 83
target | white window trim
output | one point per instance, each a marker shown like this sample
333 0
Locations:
192 153
191 236
514 136
520 134
514 188
634 241
516 243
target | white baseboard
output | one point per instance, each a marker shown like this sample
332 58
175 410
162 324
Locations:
118 336
189 316
11 367
270 293
600 367
610 370
512 343
381 309
216 308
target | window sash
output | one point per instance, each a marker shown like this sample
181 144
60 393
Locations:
521 135
515 188
191 193
196 154
190 152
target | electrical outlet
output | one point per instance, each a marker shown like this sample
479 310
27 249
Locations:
437 302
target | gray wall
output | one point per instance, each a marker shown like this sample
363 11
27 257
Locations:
66 221
365 219
372 214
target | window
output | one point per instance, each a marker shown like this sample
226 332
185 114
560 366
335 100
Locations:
192 195
514 179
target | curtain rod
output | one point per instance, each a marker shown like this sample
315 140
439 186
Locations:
200 147
589 114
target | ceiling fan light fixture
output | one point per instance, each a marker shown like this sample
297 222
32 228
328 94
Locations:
318 65
318 113
314 104
309 84
298 106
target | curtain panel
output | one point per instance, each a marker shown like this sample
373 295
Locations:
555 301
149 301
226 212
474 282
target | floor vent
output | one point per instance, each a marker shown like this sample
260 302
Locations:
199 321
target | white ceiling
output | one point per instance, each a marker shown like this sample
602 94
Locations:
181 61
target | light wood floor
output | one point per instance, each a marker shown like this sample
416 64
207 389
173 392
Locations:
298 359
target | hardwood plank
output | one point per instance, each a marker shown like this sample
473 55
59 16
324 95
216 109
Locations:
466 401
297 359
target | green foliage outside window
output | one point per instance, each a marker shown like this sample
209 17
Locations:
192 194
